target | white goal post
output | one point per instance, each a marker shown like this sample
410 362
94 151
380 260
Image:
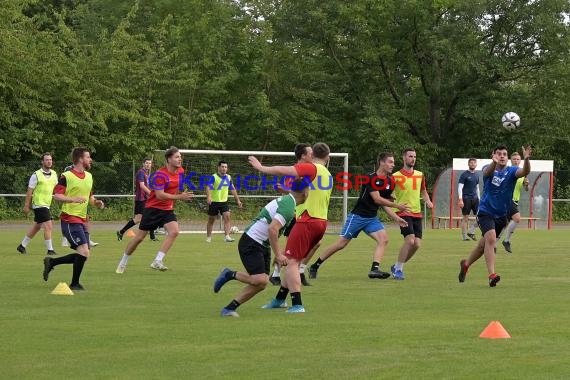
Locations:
204 162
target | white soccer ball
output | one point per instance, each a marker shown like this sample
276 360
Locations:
511 121
234 230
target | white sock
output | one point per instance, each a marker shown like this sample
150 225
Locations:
302 268
399 266
26 241
472 229
159 256
124 260
276 271
49 245
510 230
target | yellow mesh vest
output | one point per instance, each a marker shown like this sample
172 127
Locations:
77 187
220 195
517 192
408 190
43 193
317 203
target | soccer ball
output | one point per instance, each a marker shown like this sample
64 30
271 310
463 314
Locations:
234 230
511 121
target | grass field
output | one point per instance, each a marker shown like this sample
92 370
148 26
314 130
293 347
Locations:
152 325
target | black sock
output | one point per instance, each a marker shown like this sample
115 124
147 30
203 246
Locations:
130 224
152 235
375 265
282 294
67 259
318 263
233 305
77 268
296 298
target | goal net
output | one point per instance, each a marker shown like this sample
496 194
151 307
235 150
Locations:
253 188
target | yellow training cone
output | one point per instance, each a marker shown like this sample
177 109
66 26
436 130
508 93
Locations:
62 290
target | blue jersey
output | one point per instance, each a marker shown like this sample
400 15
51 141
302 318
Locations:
470 182
498 192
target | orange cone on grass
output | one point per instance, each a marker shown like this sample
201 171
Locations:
130 233
494 330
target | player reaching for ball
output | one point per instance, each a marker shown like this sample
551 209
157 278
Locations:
499 182
255 245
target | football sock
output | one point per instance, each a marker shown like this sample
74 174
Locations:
131 223
67 259
510 230
296 298
399 266
26 241
464 236
302 268
124 260
152 235
159 256
78 267
233 305
318 263
282 293
49 244
276 271
375 265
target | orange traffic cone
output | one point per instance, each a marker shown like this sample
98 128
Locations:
494 330
130 233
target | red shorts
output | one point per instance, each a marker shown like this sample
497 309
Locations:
303 237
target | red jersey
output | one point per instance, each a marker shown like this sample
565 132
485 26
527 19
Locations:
164 180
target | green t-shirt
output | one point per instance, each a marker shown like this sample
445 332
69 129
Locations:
518 187
281 209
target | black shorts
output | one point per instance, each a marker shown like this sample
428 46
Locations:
42 215
218 208
470 205
513 209
255 257
487 223
139 207
414 227
153 218
289 227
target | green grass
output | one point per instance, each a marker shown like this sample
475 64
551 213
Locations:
146 324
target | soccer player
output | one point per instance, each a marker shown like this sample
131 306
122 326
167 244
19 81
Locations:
364 217
64 242
303 153
255 246
409 185
74 190
217 199
468 193
159 209
499 182
141 195
39 195
514 215
309 227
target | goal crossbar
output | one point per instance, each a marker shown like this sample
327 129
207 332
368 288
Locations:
344 156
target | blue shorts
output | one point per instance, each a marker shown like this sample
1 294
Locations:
75 233
356 223
487 223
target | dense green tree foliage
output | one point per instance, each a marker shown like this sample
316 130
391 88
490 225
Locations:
127 77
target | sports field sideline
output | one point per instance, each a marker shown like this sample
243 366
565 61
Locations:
148 324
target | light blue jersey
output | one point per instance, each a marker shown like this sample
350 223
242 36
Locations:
498 192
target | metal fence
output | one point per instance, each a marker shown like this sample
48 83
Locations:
114 182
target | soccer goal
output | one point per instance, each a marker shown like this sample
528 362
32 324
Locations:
252 187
